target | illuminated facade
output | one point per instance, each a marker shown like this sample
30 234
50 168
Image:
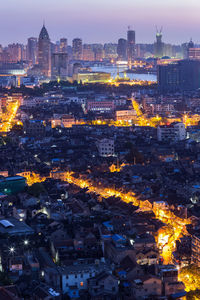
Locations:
125 115
100 105
90 77
196 250
44 52
194 53
63 45
172 132
88 53
105 147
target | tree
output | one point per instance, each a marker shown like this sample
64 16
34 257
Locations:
36 189
4 279
193 295
190 276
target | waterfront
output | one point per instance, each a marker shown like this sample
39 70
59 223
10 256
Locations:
113 70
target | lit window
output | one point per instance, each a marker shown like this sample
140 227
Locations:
81 283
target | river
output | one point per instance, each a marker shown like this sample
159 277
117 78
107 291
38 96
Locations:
133 76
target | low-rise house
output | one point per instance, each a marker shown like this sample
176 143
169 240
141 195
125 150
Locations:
147 257
131 268
14 227
9 293
147 286
75 275
117 251
16 265
144 241
104 284
174 287
44 292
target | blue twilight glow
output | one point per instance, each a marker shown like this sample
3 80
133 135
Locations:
95 20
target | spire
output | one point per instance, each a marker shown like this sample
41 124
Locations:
191 44
44 33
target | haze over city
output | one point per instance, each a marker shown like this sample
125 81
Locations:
100 21
99 150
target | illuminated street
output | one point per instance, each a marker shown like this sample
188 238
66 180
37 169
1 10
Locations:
100 150
8 117
174 227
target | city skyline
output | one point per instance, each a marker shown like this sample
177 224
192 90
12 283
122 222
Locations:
84 20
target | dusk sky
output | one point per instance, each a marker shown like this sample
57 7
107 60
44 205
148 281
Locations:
100 21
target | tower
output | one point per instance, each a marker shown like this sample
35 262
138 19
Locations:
130 45
122 49
77 49
159 46
63 45
59 65
32 50
190 46
44 52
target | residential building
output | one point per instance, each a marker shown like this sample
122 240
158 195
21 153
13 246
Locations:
196 250
105 147
171 133
100 106
77 49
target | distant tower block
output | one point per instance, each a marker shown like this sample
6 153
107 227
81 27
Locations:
44 52
159 46
130 46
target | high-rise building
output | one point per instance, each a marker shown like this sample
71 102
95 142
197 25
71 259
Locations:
88 53
194 53
63 45
191 53
59 65
158 46
130 45
99 54
44 52
122 49
110 50
16 52
173 132
32 50
167 50
77 49
183 75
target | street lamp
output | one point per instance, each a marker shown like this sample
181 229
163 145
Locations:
26 242
12 250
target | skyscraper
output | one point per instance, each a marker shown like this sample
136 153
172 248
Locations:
159 46
63 45
122 49
77 49
44 52
59 66
184 75
130 45
191 53
88 53
16 52
32 50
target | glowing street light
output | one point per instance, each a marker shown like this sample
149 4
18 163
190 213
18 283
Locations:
26 242
12 249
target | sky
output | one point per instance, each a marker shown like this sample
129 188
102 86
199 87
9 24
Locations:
100 20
